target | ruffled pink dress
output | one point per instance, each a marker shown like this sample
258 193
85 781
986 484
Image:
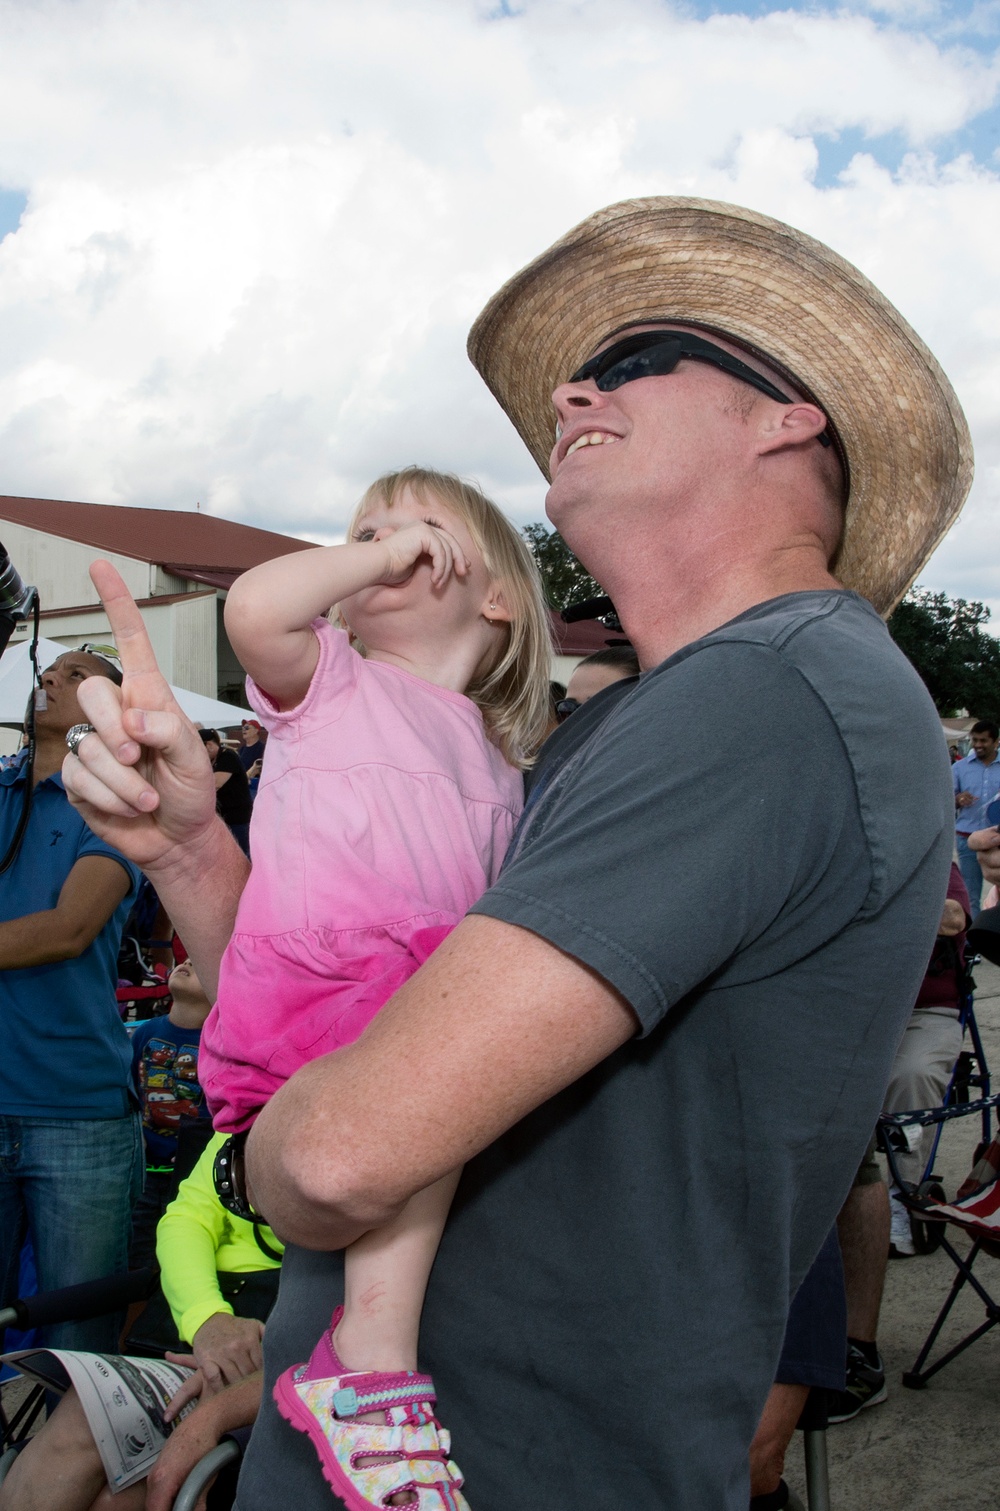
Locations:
383 814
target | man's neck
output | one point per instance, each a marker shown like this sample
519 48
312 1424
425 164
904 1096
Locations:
662 613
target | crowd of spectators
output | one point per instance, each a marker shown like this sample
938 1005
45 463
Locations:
79 1097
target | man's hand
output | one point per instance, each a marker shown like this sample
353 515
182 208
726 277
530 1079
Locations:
191 1389
226 1349
964 799
986 843
143 782
198 1434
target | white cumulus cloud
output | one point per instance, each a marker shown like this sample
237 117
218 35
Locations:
256 235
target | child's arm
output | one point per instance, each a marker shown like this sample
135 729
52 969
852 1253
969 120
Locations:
270 609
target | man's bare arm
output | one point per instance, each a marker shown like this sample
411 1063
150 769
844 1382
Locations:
91 892
236 1406
495 1023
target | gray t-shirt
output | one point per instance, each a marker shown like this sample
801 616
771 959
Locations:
752 847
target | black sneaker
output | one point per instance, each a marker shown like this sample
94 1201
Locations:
865 1387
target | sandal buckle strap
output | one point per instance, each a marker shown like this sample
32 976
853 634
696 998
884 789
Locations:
348 1400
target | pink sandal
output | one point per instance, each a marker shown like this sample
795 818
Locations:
365 1463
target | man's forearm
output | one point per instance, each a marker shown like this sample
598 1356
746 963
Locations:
236 1405
39 939
200 886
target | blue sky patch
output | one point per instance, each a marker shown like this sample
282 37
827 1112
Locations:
969 24
12 206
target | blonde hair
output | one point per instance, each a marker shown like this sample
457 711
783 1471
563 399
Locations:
513 691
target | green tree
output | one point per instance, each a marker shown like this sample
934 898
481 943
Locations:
947 642
565 581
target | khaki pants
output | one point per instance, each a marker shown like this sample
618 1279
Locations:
920 1075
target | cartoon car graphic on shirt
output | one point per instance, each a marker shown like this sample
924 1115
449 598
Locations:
162 1111
186 1064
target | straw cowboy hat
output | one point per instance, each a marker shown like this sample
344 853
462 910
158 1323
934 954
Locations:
791 300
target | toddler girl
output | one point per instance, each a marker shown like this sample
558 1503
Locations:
389 793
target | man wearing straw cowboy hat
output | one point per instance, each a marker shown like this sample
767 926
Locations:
661 1042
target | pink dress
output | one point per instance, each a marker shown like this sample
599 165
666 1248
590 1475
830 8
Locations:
383 813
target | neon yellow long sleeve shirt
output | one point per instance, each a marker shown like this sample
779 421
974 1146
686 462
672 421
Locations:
195 1237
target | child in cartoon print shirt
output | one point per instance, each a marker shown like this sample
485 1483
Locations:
165 1067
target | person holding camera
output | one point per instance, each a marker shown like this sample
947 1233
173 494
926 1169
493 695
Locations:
71 1156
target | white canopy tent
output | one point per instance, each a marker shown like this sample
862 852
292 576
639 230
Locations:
15 689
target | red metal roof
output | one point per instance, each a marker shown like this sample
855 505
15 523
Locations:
203 548
198 546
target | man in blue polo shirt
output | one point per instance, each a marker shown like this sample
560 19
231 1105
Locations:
70 1143
976 779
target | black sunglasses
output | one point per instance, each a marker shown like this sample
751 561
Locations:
654 354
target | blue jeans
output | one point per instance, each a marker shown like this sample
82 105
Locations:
972 873
71 1183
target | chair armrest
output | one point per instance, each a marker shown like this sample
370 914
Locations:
77 1303
217 1458
926 1116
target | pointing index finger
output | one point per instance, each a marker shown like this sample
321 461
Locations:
126 622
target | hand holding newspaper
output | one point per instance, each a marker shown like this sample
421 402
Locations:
123 1399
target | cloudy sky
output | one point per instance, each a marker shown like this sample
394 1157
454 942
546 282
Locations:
243 240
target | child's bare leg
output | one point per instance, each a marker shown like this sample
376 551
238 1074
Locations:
363 1456
385 1277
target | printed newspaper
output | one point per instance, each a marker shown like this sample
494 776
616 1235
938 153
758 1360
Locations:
123 1400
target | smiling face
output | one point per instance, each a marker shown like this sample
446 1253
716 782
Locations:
634 450
985 747
403 615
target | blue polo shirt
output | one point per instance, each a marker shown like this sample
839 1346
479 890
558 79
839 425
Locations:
970 774
65 1050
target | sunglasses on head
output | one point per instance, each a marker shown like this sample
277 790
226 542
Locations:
654 354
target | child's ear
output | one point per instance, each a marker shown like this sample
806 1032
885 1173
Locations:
495 607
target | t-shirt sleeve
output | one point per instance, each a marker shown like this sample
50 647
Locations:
333 682
91 845
697 820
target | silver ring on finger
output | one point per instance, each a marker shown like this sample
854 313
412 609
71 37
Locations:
77 733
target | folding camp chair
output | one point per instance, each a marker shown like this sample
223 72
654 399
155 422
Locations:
975 1211
813 1424
971 1071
